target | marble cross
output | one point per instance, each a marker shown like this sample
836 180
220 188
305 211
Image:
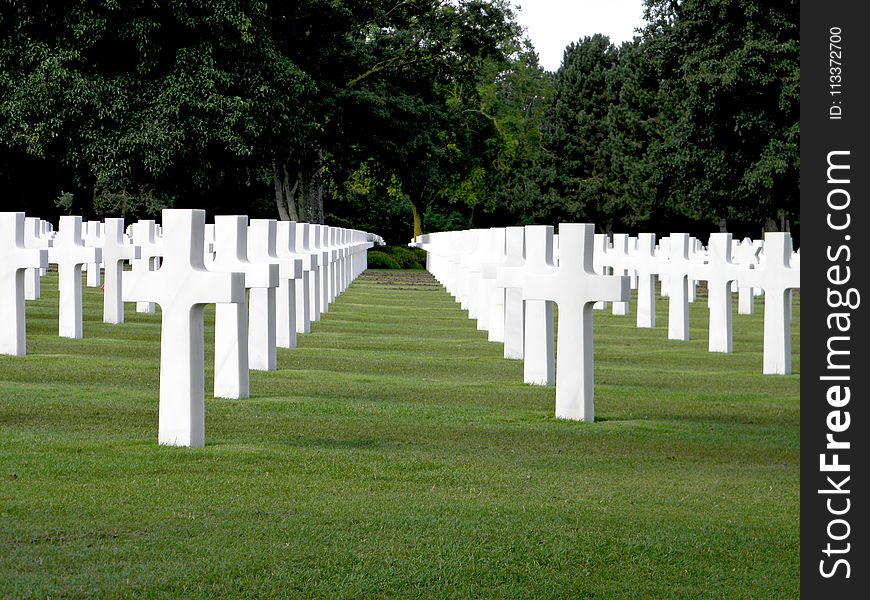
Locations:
144 235
14 259
231 365
116 249
479 302
35 238
92 234
469 272
574 287
293 295
647 265
509 277
323 257
719 271
600 250
620 262
777 276
264 335
182 287
69 253
675 270
494 296
310 277
746 253
539 365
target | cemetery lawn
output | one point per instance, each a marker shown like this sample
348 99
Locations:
396 454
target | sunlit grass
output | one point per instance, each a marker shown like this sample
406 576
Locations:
395 453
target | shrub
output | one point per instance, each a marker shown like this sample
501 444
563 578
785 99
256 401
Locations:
382 260
406 257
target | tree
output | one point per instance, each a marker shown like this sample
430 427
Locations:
575 178
417 107
147 104
731 146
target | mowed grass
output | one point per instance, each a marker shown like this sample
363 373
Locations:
395 453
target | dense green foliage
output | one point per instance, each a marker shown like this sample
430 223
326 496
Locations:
374 464
382 260
396 257
400 116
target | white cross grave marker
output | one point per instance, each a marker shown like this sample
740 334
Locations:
144 234
539 365
310 278
619 261
34 238
495 295
182 287
675 271
14 259
116 249
718 272
292 292
600 248
322 296
647 266
263 330
575 287
231 378
777 276
92 234
69 253
746 253
509 277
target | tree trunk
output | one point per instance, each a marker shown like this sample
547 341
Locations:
418 219
285 195
311 192
314 197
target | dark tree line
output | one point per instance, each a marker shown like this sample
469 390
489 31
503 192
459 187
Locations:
399 116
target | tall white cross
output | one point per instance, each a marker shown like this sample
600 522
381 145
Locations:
311 275
719 271
14 259
69 253
182 287
600 251
292 291
494 294
92 234
479 292
144 234
675 270
231 378
575 287
509 277
34 238
777 277
539 365
263 340
746 253
620 262
647 265
335 254
116 249
323 266
326 267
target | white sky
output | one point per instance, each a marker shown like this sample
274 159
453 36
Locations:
553 24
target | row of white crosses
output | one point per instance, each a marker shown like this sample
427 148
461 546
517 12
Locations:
510 278
268 280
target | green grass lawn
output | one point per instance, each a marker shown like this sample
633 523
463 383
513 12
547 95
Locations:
396 454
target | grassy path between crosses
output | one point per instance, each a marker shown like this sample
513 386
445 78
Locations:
396 454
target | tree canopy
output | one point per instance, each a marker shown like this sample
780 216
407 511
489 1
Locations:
399 115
